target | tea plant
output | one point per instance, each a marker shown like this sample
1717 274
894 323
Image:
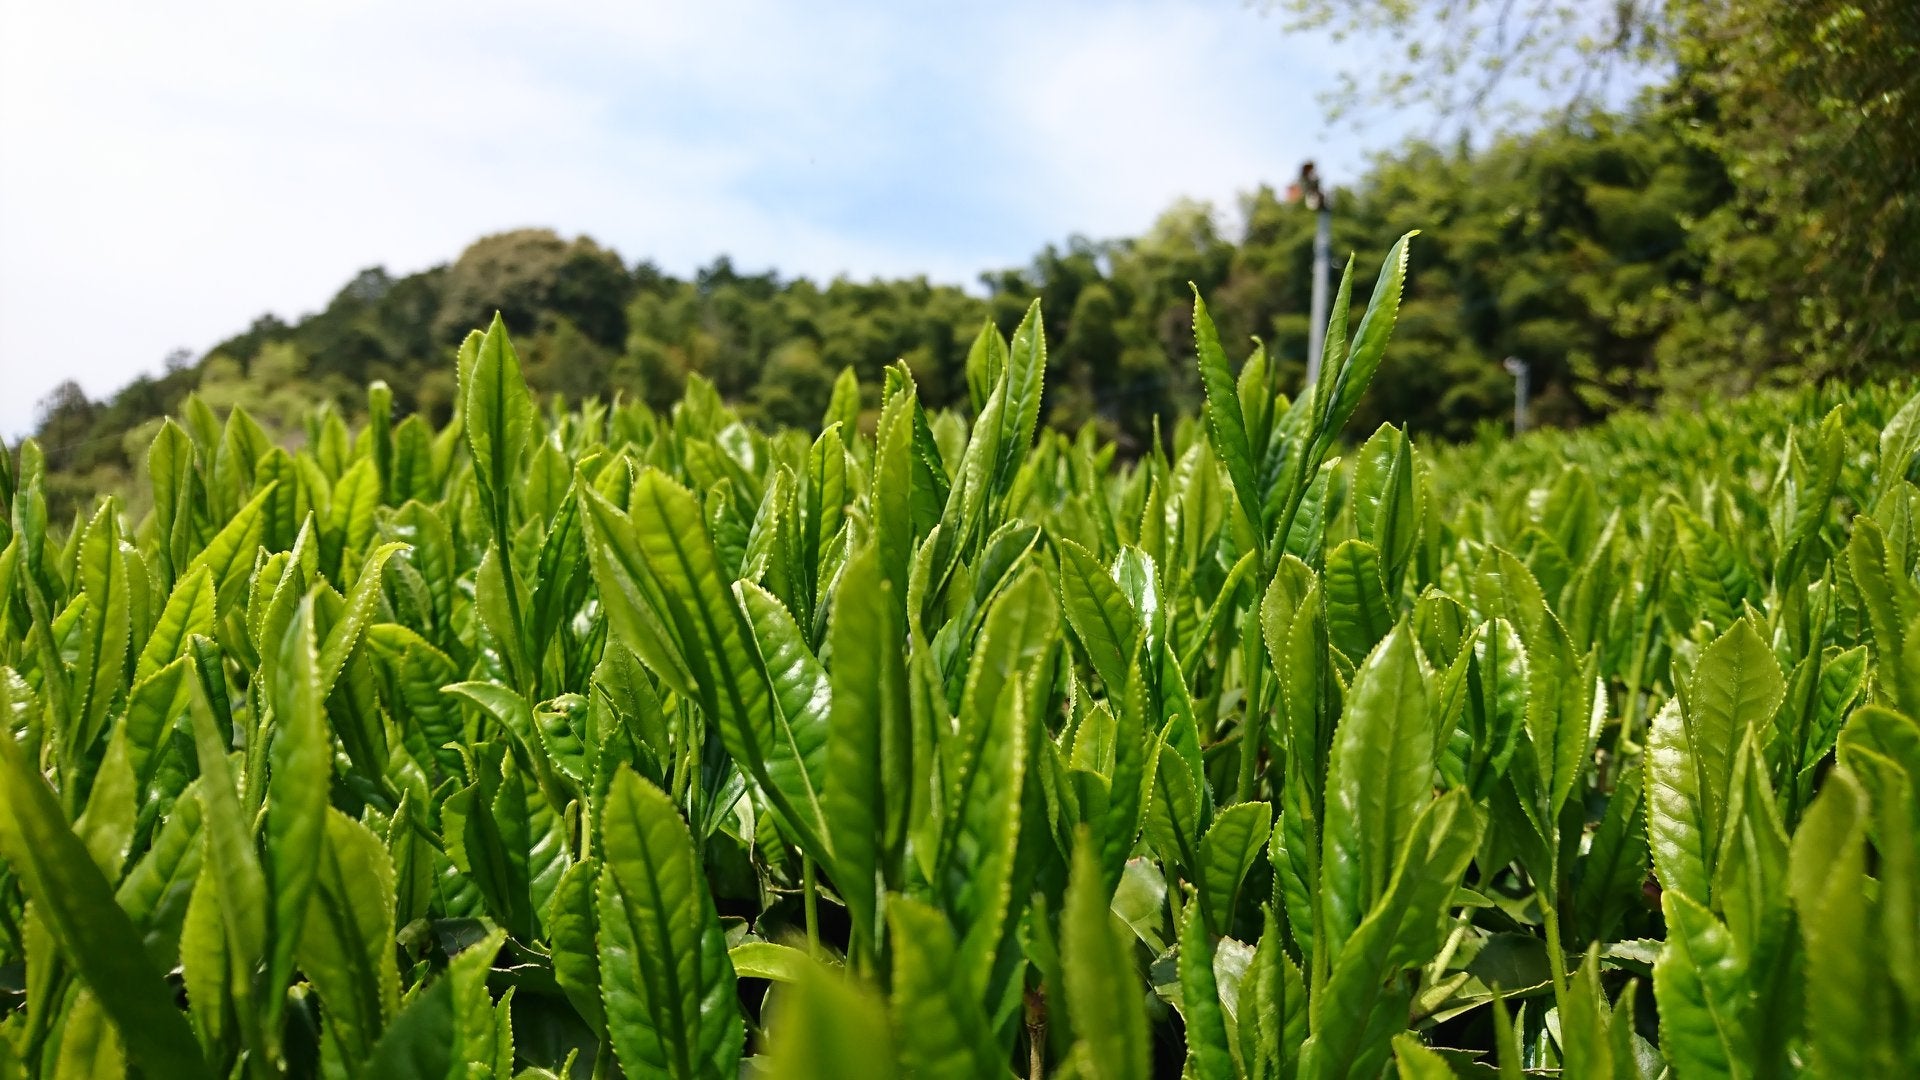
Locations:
607 741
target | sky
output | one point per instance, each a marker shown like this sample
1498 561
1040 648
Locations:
170 172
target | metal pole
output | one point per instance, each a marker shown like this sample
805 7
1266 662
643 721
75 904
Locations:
1317 321
1517 368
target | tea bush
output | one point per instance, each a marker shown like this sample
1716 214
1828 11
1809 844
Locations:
614 741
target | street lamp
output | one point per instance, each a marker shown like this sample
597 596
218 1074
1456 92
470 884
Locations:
1307 190
1517 368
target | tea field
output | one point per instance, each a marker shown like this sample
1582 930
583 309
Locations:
944 744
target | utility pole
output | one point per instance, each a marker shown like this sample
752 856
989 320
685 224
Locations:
1307 190
1517 368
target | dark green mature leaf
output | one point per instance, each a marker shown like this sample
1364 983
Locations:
665 977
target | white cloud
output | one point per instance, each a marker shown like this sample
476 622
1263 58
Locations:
169 172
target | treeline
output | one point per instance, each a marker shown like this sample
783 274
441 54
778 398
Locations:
1597 251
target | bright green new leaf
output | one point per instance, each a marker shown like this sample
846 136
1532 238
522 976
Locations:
1228 850
95 936
1380 779
943 1030
346 943
1111 1028
665 976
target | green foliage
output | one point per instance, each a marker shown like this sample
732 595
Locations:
618 742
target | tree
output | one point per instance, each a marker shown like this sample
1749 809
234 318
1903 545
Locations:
1463 57
1811 109
1814 106
796 386
526 273
65 422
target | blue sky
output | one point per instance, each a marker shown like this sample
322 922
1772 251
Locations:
168 172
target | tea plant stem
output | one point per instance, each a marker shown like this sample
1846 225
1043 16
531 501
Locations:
812 899
1556 954
1461 923
1036 1006
1255 728
1630 713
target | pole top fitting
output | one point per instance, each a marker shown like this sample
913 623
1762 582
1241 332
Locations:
1307 188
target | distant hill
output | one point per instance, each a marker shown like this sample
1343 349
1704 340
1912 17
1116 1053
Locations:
1577 248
